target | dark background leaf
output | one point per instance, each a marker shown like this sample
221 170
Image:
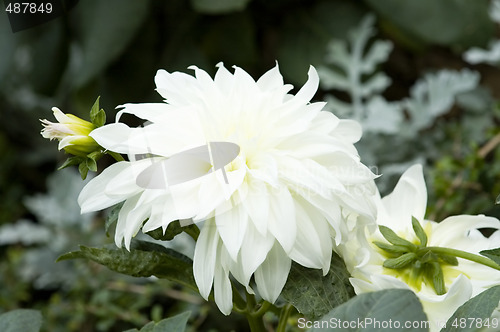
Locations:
172 324
219 6
396 306
314 294
106 28
446 22
480 307
493 254
143 260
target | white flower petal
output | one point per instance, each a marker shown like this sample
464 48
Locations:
223 78
214 191
460 232
156 219
122 228
253 251
205 256
223 291
147 111
231 225
257 206
272 79
93 198
439 310
307 92
272 274
313 145
134 219
265 169
313 247
326 122
308 178
151 139
66 141
408 199
282 222
113 137
348 130
124 182
60 116
176 88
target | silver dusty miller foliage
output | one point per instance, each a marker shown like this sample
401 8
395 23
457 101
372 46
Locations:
353 67
491 56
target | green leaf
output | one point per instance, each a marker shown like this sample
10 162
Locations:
172 324
95 109
397 306
91 164
8 43
72 161
447 22
314 294
436 278
83 169
21 320
401 261
479 307
493 254
97 116
112 217
143 260
391 249
393 238
173 229
107 28
219 6
419 231
448 259
92 158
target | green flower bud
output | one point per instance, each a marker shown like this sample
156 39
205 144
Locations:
72 133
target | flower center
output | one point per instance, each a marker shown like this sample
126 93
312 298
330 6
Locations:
415 264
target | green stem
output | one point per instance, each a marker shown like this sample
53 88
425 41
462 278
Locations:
263 308
462 254
254 317
285 313
239 304
256 323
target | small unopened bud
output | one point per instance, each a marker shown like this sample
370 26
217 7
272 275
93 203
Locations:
72 133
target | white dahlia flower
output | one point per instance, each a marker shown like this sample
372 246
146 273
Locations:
365 260
292 170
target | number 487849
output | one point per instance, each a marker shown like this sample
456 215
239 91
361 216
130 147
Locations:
28 8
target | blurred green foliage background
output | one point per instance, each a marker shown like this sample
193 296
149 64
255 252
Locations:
113 49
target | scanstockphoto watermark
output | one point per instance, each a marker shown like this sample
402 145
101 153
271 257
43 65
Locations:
362 323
